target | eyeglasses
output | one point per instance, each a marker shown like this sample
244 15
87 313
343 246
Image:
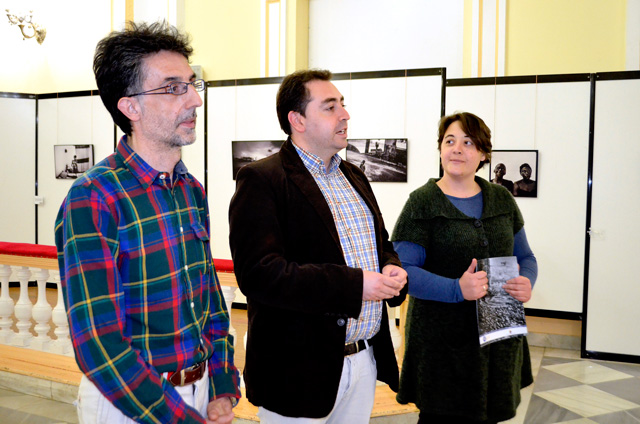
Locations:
175 88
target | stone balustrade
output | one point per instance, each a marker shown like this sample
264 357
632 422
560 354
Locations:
34 322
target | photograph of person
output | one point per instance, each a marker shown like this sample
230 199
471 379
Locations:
499 171
526 187
516 170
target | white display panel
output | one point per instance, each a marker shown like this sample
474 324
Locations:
72 120
477 99
552 118
555 221
222 110
17 161
193 155
613 296
418 121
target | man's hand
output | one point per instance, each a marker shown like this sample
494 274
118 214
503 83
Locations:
378 286
474 285
220 411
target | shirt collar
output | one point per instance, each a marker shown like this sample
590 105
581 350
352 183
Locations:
140 169
314 164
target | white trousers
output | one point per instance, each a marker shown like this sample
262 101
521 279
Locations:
94 408
354 401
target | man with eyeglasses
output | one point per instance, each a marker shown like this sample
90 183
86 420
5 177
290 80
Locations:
147 318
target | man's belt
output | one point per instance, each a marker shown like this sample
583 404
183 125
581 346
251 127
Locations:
187 375
355 347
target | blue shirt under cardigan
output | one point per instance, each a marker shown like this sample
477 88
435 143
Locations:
429 286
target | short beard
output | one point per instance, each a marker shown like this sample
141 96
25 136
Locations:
176 142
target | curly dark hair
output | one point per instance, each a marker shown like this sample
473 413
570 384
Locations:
293 94
118 63
474 127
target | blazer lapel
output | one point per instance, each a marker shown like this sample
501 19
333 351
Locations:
301 177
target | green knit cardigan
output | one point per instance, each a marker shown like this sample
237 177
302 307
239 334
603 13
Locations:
444 370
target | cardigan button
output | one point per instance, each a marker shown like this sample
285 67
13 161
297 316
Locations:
477 223
341 322
484 243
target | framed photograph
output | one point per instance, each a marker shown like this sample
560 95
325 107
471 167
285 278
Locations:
244 152
517 170
72 160
381 159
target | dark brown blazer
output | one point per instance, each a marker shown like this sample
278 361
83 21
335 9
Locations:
290 266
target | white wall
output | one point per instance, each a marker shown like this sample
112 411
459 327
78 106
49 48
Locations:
365 35
17 161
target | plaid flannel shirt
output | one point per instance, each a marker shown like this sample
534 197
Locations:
141 292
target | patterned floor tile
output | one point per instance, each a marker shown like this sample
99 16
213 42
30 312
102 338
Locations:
542 411
587 372
587 401
549 380
631 369
562 353
628 389
551 360
622 417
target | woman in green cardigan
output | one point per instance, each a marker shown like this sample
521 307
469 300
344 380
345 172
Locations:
445 226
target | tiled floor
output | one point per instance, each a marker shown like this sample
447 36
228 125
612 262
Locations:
16 408
567 390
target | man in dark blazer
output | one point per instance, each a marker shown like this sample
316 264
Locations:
312 256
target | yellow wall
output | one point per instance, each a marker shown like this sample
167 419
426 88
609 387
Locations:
565 36
467 38
226 37
297 35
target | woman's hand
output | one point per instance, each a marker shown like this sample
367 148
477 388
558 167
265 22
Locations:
519 288
474 285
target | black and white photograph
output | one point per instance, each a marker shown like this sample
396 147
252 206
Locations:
516 170
71 160
245 152
500 315
381 159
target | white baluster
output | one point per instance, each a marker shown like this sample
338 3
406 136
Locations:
229 294
41 312
396 337
23 309
62 343
6 306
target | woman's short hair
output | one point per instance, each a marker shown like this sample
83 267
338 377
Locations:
472 126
